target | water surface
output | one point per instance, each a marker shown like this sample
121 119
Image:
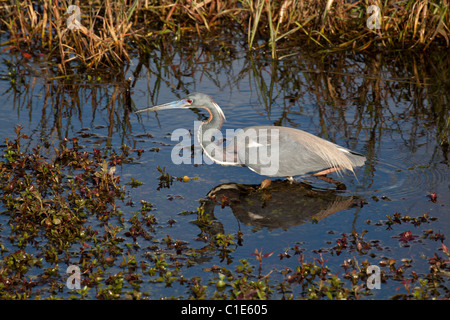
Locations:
393 108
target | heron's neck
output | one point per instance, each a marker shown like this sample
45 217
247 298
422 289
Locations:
208 132
214 123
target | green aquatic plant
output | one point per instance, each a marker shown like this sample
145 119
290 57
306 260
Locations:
61 206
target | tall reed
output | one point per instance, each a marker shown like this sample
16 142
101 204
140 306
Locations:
108 29
93 36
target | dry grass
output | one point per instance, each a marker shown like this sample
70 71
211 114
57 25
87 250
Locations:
108 28
99 38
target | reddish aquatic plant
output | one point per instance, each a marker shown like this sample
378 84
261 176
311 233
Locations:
432 196
406 236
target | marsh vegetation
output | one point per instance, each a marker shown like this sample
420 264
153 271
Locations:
85 182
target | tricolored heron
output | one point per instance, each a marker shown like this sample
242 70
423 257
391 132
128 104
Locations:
292 152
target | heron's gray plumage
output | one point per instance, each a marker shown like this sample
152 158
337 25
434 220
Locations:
302 153
298 152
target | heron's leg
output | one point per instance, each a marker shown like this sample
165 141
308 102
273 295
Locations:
324 172
339 185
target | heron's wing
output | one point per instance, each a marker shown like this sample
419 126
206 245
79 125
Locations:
356 158
334 155
292 151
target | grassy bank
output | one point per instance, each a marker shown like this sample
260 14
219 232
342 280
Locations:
105 33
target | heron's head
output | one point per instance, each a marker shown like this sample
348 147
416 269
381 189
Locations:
193 100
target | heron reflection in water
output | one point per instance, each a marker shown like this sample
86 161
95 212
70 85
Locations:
280 205
296 152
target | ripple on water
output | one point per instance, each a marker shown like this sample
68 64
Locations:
394 179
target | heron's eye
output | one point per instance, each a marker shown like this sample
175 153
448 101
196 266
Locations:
189 100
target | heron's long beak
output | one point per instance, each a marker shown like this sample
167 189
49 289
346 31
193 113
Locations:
171 105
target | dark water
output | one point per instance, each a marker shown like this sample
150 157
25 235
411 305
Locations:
393 108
